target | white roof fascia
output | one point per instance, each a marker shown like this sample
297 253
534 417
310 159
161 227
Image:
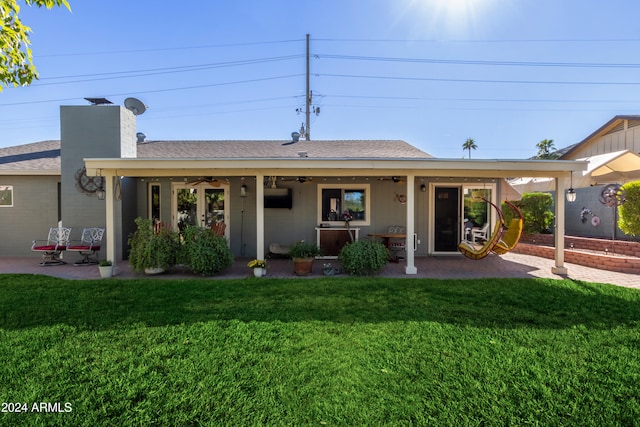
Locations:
333 167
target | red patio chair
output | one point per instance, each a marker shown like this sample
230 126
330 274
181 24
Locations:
53 247
87 246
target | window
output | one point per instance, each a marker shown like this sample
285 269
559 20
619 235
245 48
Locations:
6 196
335 199
154 201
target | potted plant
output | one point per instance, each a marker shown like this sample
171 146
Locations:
259 267
152 250
303 254
106 268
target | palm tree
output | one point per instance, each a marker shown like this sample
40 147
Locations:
469 145
545 150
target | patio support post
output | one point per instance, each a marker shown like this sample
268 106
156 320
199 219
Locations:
260 217
411 195
110 220
559 268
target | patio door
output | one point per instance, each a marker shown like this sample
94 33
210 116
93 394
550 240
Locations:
201 204
446 219
478 214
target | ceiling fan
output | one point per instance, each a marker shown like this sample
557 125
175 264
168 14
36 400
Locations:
208 179
300 179
395 179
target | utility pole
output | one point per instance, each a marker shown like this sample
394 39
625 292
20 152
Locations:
305 128
307 111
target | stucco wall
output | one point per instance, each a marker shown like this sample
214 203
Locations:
34 211
288 225
92 131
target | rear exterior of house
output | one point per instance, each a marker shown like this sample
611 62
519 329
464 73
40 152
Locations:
265 191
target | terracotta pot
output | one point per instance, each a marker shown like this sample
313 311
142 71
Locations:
302 266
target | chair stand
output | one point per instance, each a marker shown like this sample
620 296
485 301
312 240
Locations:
52 258
86 257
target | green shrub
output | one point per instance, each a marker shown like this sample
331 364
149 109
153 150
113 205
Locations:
303 249
629 211
150 249
363 257
536 209
204 252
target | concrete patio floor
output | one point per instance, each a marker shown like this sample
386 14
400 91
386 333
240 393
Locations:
439 267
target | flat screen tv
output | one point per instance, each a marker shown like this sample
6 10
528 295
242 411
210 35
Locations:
278 198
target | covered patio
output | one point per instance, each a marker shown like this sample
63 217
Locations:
410 173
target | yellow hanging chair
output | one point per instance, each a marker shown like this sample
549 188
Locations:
511 237
469 250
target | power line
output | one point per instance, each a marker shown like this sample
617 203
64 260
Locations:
188 67
417 98
286 41
477 80
160 90
158 71
476 62
594 40
164 49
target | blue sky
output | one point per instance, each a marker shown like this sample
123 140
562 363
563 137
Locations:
507 73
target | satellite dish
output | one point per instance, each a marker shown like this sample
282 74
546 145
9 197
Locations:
134 105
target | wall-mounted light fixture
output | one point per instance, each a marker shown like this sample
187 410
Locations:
243 188
423 188
571 192
100 191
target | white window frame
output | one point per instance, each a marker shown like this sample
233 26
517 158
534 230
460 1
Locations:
10 189
342 187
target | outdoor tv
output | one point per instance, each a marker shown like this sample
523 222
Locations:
278 198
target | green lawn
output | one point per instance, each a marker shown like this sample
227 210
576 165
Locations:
334 351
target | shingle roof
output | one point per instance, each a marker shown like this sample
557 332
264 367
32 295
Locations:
37 156
45 155
279 149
